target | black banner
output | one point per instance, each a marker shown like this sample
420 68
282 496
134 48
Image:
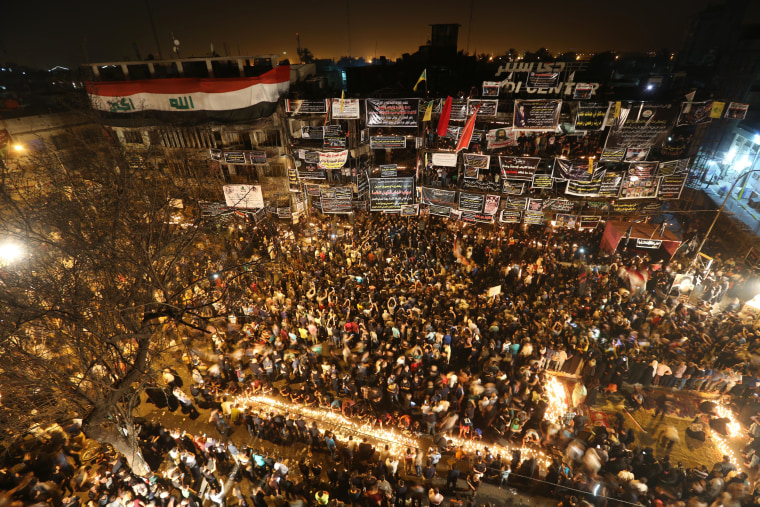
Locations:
583 188
471 202
306 106
610 186
487 107
591 116
387 142
513 187
518 168
312 133
650 207
625 207
542 181
334 140
389 194
674 167
389 171
362 184
537 114
612 155
471 217
695 113
484 186
510 216
576 170
543 79
438 197
234 157
562 205
520 204
471 173
640 125
311 172
440 211
410 210
392 113
475 160
458 109
533 217
671 187
589 221
257 157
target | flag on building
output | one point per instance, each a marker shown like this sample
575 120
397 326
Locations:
428 112
423 77
469 128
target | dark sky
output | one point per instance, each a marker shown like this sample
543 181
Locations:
45 33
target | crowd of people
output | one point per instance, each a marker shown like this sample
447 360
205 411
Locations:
392 325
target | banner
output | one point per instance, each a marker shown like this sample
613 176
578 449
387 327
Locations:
736 111
500 138
510 216
513 187
543 79
438 197
482 185
591 116
648 243
471 217
471 202
243 196
535 204
362 184
313 190
234 157
650 207
492 204
471 173
563 220
562 205
518 168
612 155
389 194
345 109
533 217
576 170
392 112
537 114
673 167
445 159
475 160
542 181
311 172
610 184
588 221
459 109
334 140
332 159
410 210
201 99
520 204
670 187
213 153
306 106
312 133
583 188
640 181
389 171
491 88
387 142
487 107
695 113
625 207
439 211
640 125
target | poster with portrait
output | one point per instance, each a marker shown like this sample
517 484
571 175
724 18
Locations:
736 111
535 204
695 113
306 106
636 154
501 138
492 204
537 115
491 88
564 220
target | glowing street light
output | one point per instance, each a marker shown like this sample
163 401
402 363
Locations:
9 253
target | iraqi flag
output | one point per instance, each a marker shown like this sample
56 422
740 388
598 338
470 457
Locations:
192 100
469 128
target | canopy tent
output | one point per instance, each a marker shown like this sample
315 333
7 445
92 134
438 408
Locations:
642 236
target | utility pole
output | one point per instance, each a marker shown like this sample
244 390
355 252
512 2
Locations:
153 27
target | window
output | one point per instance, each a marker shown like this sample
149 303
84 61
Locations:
132 137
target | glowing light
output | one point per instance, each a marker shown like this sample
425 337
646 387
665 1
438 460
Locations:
18 147
10 252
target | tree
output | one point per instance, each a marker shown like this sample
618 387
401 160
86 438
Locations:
108 282
305 55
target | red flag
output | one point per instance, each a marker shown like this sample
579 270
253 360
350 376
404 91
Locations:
443 122
466 137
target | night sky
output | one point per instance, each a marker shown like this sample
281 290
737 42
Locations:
46 33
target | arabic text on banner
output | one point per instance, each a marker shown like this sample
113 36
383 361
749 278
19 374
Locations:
391 112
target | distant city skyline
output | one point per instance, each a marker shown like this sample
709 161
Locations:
48 33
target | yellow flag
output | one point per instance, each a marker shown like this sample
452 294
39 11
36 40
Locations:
717 109
590 165
423 77
342 97
428 112
617 109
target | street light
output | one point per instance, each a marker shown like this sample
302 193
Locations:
9 253
720 210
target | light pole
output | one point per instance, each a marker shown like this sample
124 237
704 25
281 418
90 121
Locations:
720 210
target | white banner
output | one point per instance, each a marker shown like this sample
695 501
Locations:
445 159
345 109
332 159
244 196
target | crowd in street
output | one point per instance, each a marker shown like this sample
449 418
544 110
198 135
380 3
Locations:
392 325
